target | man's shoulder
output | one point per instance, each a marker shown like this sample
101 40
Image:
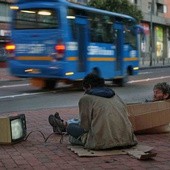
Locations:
86 99
86 96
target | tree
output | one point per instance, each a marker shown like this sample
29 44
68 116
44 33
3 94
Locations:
120 6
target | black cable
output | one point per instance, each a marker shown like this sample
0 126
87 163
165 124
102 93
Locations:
46 138
34 131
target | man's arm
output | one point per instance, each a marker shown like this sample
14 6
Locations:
85 112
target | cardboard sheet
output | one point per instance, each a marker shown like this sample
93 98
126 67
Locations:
139 152
80 151
151 115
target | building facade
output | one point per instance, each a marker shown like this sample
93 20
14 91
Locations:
4 20
156 22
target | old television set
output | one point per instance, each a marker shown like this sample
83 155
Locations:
12 129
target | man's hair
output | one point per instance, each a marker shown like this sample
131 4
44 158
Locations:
164 87
93 80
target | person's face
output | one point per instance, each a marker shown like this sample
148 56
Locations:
159 95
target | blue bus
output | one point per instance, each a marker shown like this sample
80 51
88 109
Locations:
58 40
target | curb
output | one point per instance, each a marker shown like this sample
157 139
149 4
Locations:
153 67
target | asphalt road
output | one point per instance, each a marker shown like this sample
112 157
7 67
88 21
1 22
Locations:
20 96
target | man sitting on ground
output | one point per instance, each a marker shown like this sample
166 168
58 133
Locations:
103 118
161 91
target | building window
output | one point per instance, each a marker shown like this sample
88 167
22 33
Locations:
160 8
4 8
165 9
5 12
149 7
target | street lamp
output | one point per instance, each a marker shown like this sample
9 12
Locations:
151 33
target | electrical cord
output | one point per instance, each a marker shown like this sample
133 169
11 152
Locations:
46 138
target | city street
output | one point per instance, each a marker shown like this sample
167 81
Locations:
20 95
36 152
63 40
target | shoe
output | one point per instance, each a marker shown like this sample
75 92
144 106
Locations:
58 125
51 120
57 116
56 130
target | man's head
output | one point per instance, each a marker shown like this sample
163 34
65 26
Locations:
161 91
91 81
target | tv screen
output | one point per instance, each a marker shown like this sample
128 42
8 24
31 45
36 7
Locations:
12 129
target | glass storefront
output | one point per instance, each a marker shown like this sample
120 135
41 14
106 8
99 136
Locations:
159 42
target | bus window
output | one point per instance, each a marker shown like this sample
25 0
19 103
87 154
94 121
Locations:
130 37
71 15
101 28
36 19
97 29
71 21
108 29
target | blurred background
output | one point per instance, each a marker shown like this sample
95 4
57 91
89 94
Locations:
155 48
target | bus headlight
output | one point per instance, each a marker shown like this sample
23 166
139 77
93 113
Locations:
136 68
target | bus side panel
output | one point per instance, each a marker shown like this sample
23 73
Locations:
77 50
102 56
34 50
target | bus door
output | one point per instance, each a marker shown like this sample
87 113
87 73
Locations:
118 42
82 40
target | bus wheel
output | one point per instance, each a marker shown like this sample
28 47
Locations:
37 82
49 84
121 82
77 85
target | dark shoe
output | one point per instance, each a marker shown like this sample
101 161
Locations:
57 116
51 120
58 125
56 130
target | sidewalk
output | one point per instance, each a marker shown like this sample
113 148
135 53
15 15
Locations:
35 153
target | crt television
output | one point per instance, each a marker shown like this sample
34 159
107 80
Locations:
12 129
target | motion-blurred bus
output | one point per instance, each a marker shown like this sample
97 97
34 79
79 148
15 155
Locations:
57 40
